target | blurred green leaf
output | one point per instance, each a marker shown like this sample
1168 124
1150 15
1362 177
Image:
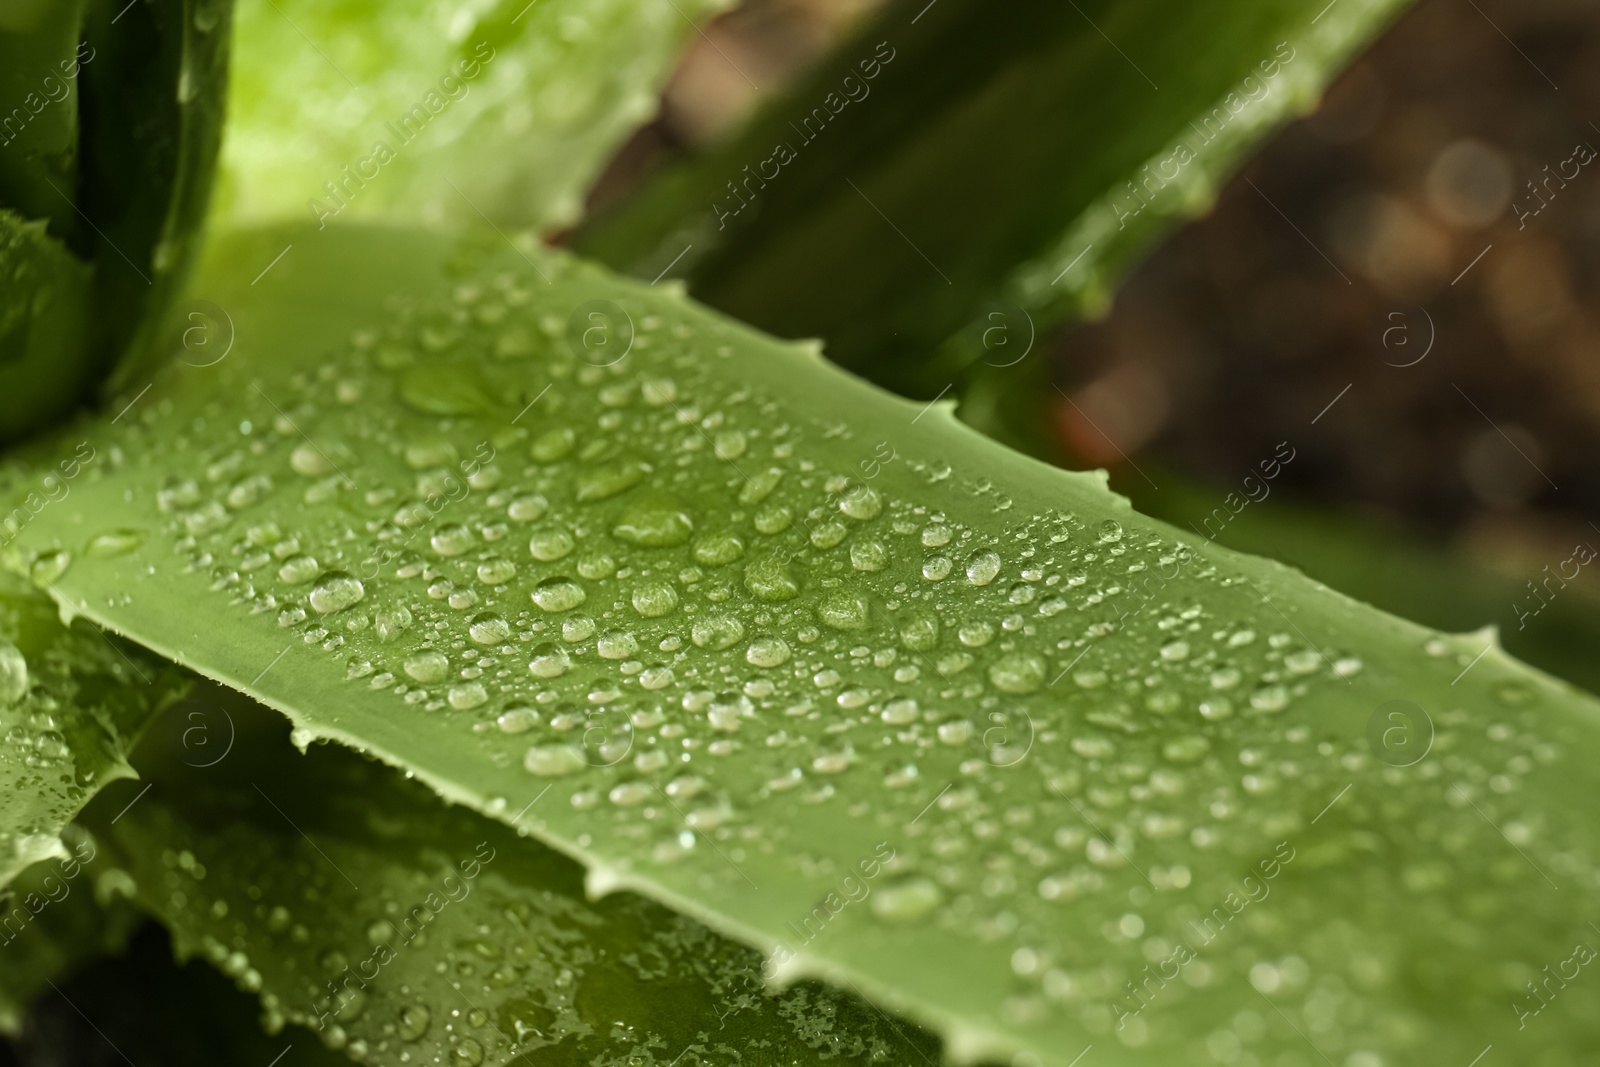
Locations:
430 111
46 296
140 1008
401 930
54 920
952 186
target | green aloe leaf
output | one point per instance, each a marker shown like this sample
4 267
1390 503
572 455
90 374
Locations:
839 676
967 178
401 930
45 296
433 111
71 701
57 917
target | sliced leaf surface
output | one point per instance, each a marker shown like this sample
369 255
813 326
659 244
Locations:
425 110
739 627
355 903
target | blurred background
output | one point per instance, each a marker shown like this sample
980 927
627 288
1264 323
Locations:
1409 254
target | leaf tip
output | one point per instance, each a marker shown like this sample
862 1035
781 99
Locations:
601 881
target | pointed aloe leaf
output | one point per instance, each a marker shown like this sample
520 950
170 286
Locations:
837 675
55 918
429 111
970 179
71 701
358 905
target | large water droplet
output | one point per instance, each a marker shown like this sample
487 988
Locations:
906 901
655 521
767 652
769 579
1020 672
412 1022
549 660
49 567
390 623
487 628
467 695
551 761
608 479
452 540
844 610
552 445
114 543
654 599
868 555
297 570
550 543
983 568
861 502
335 591
527 508
558 594
427 667
718 548
716 631
496 571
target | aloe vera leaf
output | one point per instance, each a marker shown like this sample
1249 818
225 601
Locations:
738 626
356 904
71 705
54 920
